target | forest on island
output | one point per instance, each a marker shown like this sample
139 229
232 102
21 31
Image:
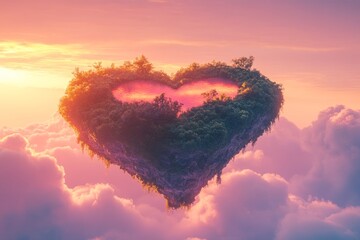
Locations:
159 130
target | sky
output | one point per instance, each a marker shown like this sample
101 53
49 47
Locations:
311 47
302 175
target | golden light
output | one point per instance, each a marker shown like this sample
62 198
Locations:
12 49
37 64
12 76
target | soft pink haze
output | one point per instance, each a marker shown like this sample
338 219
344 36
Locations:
309 47
303 185
189 94
299 181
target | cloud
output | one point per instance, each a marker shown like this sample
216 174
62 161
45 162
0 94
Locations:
46 65
26 55
60 210
321 161
27 201
50 189
334 141
246 205
303 48
319 220
279 152
37 204
184 43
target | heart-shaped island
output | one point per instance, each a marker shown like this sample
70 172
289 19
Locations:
176 133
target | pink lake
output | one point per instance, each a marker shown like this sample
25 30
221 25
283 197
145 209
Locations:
189 94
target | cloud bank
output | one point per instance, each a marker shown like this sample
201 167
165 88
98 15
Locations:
294 184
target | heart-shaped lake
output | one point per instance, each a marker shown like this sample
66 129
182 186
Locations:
173 134
189 95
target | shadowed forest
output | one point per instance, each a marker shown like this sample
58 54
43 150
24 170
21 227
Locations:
171 140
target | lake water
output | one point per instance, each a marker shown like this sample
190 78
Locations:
189 94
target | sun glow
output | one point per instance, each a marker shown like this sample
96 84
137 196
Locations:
8 49
11 76
33 78
39 65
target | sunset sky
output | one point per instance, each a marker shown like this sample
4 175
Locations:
311 47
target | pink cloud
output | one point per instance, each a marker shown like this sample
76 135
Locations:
36 199
279 152
246 205
50 189
334 141
321 161
319 220
37 204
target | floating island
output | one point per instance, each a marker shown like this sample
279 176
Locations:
176 133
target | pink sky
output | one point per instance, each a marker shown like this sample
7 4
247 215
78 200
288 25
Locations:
304 174
309 47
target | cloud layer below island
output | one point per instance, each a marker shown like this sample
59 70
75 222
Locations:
294 184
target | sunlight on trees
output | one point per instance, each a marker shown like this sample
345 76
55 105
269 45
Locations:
243 62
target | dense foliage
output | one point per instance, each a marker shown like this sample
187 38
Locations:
158 130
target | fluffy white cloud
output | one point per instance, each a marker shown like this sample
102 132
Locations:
246 205
319 220
302 185
37 204
278 152
334 141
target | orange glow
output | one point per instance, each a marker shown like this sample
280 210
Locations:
189 94
11 76
37 64
304 43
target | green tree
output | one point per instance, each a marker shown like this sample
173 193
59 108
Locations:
142 65
243 62
213 95
210 96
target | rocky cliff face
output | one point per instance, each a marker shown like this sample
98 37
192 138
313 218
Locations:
176 153
178 188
